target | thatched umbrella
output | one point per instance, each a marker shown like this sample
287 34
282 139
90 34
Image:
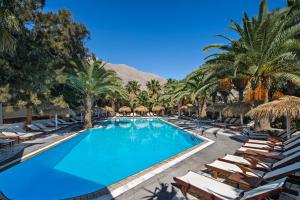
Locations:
125 109
108 110
217 107
238 109
288 106
157 109
141 109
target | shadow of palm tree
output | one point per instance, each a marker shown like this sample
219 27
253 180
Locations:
161 193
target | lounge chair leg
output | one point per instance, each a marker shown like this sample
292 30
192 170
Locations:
215 174
184 190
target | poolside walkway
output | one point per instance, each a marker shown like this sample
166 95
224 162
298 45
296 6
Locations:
160 186
26 147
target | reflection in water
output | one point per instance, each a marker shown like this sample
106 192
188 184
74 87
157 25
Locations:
157 125
124 124
141 124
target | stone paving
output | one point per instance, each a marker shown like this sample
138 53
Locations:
26 147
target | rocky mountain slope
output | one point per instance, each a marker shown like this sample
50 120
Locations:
128 73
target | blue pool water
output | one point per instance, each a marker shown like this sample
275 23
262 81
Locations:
95 159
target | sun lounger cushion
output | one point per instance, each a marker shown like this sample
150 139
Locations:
291 151
243 161
256 192
260 146
232 168
288 158
227 192
287 169
211 186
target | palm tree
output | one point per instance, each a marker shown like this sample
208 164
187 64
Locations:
133 88
154 88
166 99
265 52
143 99
92 80
116 96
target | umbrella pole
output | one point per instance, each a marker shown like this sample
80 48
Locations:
220 116
81 117
242 119
56 120
288 126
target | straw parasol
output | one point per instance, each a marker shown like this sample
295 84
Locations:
157 108
108 109
217 107
236 109
141 109
288 106
125 109
183 108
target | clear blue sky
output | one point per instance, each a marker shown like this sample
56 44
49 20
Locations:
165 37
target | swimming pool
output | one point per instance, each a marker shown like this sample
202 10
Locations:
95 159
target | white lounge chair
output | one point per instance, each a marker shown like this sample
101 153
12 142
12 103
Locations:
273 147
219 167
257 164
212 189
250 181
267 153
274 142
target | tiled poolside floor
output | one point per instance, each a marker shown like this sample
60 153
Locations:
26 147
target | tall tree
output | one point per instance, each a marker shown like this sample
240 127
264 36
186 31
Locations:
154 89
133 88
92 80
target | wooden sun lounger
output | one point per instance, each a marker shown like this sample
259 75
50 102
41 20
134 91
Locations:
225 168
248 181
262 153
255 163
273 147
274 142
202 186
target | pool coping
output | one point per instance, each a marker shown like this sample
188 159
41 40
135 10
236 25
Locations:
130 182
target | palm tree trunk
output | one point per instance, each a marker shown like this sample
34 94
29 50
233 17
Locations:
113 106
28 119
88 112
264 124
179 106
198 110
203 108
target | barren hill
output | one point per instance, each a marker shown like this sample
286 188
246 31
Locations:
128 73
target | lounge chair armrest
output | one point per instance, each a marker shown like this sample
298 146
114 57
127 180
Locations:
247 169
252 160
